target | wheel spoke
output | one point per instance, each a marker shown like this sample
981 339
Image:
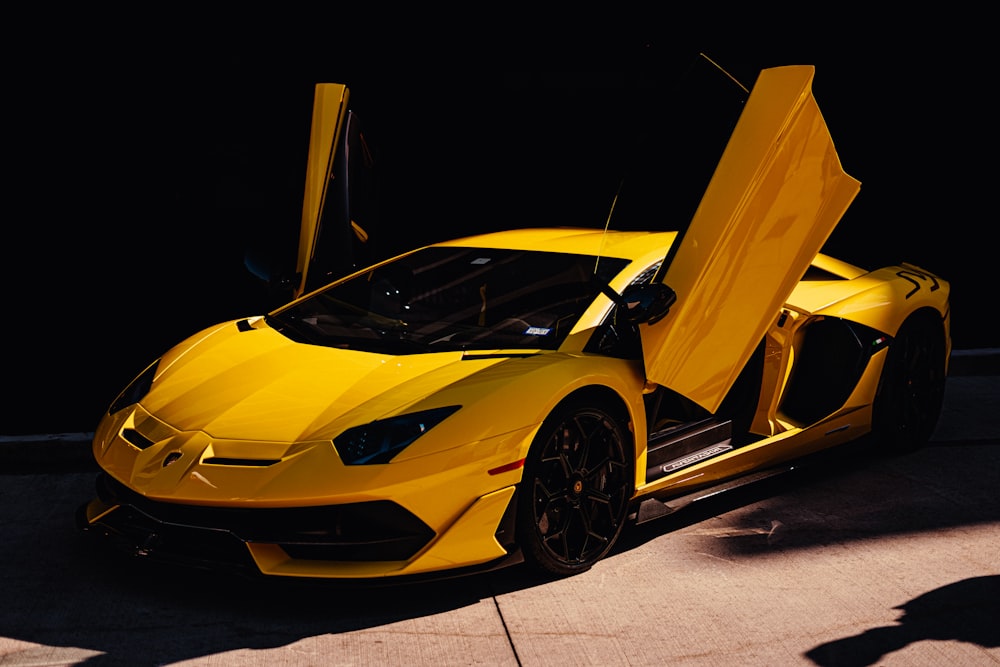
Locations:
580 488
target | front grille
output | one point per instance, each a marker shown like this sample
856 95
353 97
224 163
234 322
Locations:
137 533
377 530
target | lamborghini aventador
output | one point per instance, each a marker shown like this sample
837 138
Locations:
525 395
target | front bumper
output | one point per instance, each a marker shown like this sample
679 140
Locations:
365 540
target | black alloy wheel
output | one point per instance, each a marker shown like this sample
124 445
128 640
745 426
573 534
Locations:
576 490
911 390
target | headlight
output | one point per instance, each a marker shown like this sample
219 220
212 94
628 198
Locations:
136 389
382 439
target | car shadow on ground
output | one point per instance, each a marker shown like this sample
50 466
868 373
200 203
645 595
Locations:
68 593
852 496
873 495
87 605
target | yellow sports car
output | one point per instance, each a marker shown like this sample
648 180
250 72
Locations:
523 395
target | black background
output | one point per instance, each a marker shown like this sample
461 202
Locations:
146 153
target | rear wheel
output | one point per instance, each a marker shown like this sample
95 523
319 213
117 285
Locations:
911 390
576 490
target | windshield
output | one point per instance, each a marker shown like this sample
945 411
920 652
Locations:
451 298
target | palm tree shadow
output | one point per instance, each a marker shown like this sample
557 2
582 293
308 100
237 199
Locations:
965 611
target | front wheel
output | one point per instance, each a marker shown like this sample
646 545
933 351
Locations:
576 489
911 391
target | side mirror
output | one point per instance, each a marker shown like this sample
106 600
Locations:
648 303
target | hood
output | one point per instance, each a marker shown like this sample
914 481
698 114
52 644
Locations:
254 384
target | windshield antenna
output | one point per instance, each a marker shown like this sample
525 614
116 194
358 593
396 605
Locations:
721 69
607 224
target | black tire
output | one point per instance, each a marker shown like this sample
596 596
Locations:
576 489
911 390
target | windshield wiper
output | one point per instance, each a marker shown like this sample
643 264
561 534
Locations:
291 327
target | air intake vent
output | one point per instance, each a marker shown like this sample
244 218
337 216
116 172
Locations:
222 461
137 439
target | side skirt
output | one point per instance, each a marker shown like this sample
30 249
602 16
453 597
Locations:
825 460
653 508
